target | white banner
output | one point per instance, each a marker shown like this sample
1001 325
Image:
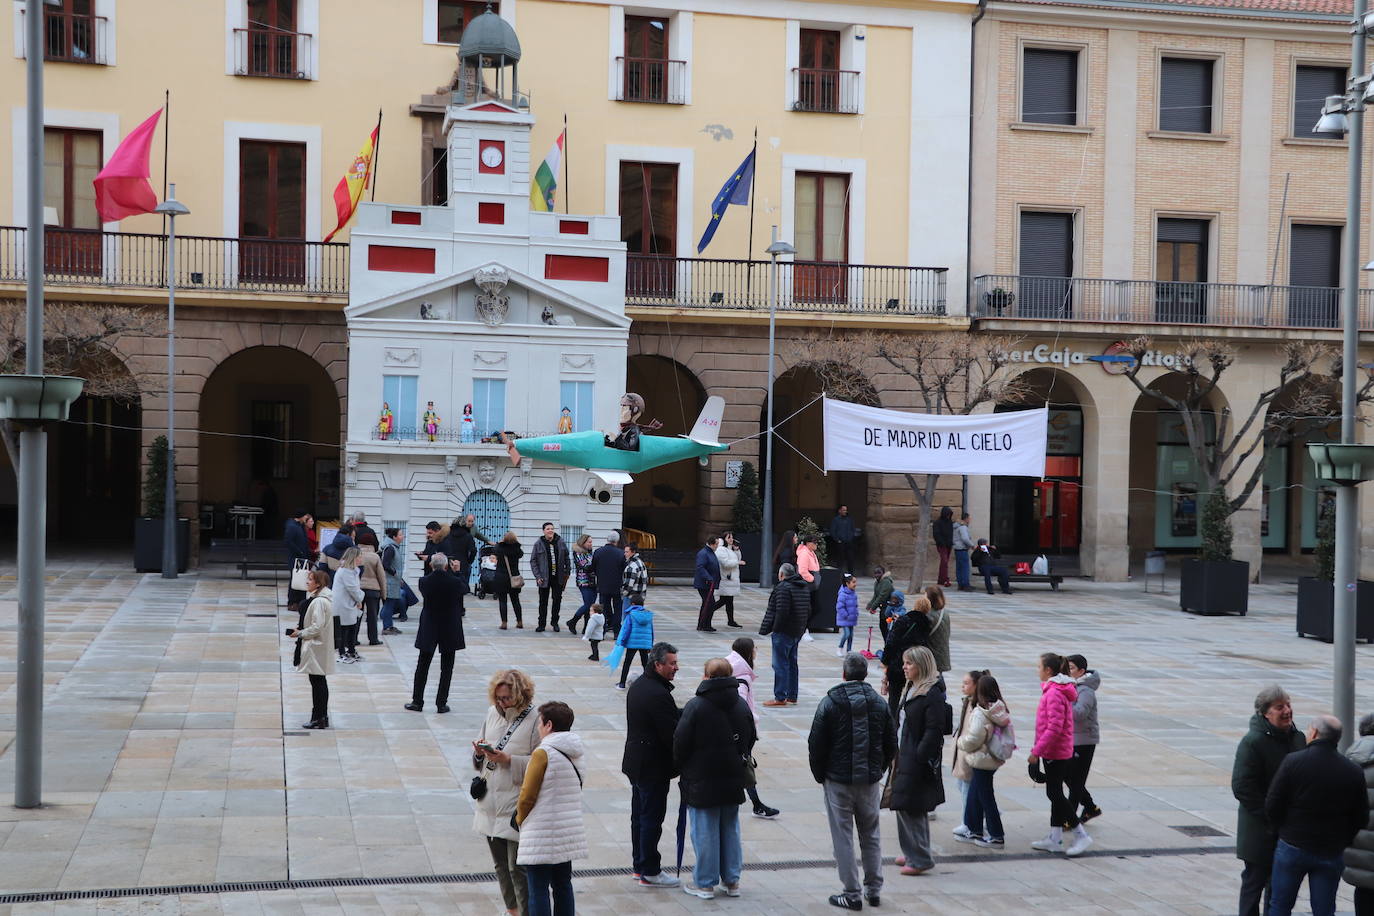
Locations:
1010 444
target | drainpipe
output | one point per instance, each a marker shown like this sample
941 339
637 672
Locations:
968 228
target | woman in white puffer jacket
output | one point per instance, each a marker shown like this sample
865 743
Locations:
989 711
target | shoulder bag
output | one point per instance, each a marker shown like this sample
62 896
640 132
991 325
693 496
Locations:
517 581
478 788
300 581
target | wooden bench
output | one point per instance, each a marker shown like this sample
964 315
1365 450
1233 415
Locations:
1035 579
669 564
247 556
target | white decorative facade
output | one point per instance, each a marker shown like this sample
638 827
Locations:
483 303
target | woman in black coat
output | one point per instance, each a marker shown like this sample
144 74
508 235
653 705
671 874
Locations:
786 551
917 788
713 739
440 630
942 532
508 554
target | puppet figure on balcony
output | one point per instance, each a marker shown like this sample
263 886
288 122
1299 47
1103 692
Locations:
469 431
386 422
565 425
431 421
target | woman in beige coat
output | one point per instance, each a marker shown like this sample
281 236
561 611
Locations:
373 580
511 714
315 645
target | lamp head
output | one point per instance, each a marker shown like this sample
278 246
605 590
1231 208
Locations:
780 248
1333 119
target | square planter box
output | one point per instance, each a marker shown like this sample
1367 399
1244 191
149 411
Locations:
1316 609
1214 586
148 544
822 618
749 544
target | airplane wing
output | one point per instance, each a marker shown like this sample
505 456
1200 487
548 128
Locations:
612 478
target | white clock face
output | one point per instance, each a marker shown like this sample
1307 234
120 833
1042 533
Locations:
491 156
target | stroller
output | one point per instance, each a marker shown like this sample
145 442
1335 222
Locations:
486 572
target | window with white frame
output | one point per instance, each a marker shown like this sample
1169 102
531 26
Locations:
400 396
489 406
825 67
576 398
74 31
651 56
274 39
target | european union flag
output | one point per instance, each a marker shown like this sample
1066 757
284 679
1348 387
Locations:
735 191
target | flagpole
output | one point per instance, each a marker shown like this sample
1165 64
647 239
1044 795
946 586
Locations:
166 134
376 156
566 188
753 197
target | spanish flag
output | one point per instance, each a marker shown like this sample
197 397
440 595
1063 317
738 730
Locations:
350 188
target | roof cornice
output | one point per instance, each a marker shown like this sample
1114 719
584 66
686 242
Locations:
1143 15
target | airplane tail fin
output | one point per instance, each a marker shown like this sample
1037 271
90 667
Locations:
707 428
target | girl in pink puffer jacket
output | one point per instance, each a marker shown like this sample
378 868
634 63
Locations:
1054 745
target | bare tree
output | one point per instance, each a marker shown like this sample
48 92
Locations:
78 339
1302 398
952 373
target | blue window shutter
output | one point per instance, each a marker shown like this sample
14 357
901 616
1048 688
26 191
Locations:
489 405
399 392
577 397
409 412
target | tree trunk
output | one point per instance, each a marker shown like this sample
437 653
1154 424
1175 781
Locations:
920 553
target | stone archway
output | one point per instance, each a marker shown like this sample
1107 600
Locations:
269 437
667 501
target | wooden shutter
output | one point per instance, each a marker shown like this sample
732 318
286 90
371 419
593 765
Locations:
1311 86
1049 86
1185 94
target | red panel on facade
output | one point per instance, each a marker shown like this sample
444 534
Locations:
494 213
575 267
491 157
402 260
573 227
405 218
490 106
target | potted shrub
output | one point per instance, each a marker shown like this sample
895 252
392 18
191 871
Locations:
748 522
999 300
148 528
1317 596
1214 583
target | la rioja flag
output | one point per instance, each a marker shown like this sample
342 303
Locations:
121 188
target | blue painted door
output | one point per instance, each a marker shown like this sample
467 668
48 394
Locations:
493 517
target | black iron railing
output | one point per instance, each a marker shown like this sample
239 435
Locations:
651 79
83 257
74 38
1162 302
272 52
833 91
803 285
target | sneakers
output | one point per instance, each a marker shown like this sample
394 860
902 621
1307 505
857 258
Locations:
705 893
966 838
1048 845
766 812
731 623
732 890
839 653
990 842
619 686
901 860
962 831
1081 842
658 880
774 703
1089 813
845 903
911 871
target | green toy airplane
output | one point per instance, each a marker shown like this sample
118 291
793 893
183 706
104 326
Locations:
614 465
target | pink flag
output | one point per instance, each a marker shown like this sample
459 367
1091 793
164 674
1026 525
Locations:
121 188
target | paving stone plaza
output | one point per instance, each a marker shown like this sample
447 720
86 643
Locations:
174 756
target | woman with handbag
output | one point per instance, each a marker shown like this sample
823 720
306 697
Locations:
585 579
508 579
373 581
981 815
730 558
500 755
915 783
393 560
315 645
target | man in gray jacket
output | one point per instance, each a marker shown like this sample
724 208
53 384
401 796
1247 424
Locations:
852 743
550 562
963 543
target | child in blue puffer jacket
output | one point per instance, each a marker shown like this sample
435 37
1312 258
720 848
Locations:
847 614
636 635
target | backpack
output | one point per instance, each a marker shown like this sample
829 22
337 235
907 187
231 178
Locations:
1002 742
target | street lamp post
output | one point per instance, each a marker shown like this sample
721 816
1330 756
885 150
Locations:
775 250
171 208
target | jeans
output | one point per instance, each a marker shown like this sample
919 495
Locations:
372 601
556 591
913 836
961 568
980 807
1323 874
391 608
1058 776
716 841
943 577
785 674
422 663
848 807
1254 887
319 697
1003 577
847 638
648 807
543 879
585 611
515 889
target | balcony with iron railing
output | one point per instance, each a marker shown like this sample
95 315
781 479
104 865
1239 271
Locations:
128 260
819 90
805 286
650 79
273 53
69 37
1009 296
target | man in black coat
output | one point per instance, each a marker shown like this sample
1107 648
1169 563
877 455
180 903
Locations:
852 743
297 548
1270 739
459 547
1317 802
550 563
651 717
440 629
843 534
789 608
608 566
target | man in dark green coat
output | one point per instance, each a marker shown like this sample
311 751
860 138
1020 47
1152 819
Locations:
1271 738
